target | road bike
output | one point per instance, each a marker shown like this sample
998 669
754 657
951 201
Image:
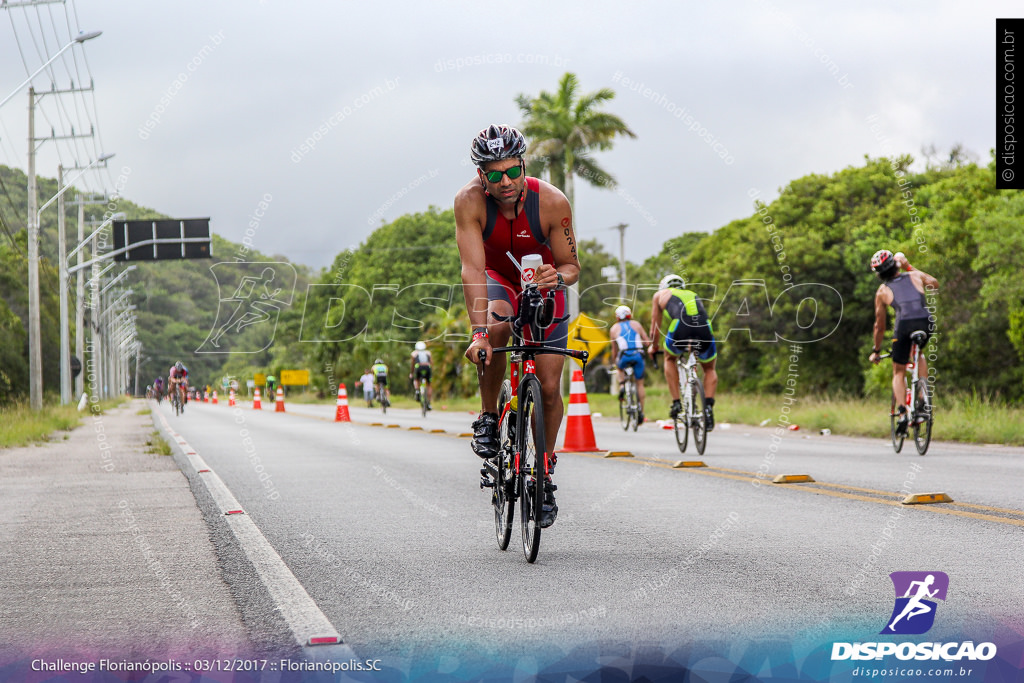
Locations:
692 417
424 396
521 468
918 401
177 397
382 397
629 401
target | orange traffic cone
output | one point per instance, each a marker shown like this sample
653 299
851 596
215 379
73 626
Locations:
279 406
579 430
341 415
256 400
214 397
231 398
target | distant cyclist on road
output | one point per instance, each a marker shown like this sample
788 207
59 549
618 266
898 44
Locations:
420 370
905 293
499 211
158 388
685 320
380 373
178 375
628 341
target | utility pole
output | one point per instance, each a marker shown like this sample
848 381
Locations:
80 292
621 227
35 345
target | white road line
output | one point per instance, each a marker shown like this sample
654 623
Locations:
308 624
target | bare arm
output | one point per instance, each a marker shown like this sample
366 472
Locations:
881 311
561 239
469 238
656 310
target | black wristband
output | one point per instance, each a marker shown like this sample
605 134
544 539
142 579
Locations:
876 350
479 329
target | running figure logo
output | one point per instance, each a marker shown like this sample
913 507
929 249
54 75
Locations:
914 612
255 302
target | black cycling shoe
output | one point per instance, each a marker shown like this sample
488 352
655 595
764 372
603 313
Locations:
709 419
901 425
677 408
485 435
549 510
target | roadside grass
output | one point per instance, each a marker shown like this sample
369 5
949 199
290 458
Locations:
969 419
144 411
157 444
21 425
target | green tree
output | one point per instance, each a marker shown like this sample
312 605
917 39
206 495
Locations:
564 129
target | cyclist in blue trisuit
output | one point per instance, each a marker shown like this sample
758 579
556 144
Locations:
685 321
628 341
905 293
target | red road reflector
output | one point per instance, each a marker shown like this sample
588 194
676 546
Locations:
325 640
201 471
235 512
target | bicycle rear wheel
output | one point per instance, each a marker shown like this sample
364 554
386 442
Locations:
894 418
503 497
681 421
423 397
530 428
699 419
922 411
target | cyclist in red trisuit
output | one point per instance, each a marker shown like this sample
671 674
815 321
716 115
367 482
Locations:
499 211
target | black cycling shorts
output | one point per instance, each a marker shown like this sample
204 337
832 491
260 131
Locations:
423 372
901 338
382 380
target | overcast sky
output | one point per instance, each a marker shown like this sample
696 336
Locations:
207 105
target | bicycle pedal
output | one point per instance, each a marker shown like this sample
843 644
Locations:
486 483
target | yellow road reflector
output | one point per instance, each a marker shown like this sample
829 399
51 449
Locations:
394 426
415 429
689 463
792 479
437 431
466 434
618 454
925 498
376 424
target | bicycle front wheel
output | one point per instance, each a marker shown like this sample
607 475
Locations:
894 419
503 497
699 419
530 433
922 418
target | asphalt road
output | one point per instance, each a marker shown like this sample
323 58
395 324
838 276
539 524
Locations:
390 534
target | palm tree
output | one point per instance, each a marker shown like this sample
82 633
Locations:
564 128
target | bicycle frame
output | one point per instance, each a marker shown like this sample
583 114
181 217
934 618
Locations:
522 361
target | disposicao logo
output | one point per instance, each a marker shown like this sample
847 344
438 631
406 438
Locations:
914 614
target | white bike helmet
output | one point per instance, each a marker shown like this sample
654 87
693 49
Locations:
623 313
420 346
671 281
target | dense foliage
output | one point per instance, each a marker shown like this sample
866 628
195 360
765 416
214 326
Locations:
794 271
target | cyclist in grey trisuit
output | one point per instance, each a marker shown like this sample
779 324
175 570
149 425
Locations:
904 291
